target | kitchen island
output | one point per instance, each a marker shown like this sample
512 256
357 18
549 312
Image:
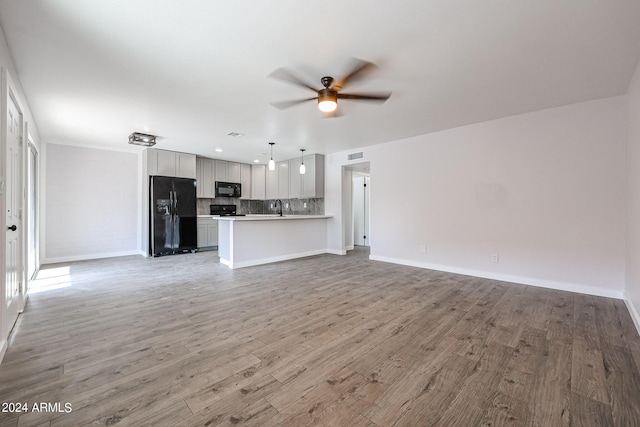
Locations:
249 240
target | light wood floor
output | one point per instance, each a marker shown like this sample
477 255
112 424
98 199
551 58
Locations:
324 341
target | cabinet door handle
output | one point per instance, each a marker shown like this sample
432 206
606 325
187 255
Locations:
12 228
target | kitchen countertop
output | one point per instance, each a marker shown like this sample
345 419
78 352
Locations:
270 217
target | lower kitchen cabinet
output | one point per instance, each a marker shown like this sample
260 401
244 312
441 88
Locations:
207 233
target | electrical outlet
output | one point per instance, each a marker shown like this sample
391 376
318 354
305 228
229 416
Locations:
495 258
271 205
304 205
286 205
423 249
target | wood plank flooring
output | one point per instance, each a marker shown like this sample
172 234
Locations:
319 341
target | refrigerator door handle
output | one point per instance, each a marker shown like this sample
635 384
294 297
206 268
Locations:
175 205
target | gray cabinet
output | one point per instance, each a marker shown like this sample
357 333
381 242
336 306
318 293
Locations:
283 179
245 180
227 171
313 179
258 182
171 163
233 172
207 233
311 184
295 179
272 183
222 170
205 177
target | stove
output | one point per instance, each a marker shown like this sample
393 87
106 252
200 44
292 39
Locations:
224 210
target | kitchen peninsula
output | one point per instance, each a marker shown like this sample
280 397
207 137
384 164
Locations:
249 240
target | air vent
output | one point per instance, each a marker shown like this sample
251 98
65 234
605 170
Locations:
355 156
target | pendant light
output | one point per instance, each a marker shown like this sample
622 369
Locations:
272 164
302 168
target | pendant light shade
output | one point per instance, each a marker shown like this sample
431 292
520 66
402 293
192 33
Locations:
272 163
303 169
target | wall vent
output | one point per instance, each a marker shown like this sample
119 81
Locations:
355 156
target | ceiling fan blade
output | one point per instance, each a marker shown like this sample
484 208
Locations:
359 68
287 76
380 97
286 104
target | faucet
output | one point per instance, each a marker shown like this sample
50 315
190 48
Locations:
279 203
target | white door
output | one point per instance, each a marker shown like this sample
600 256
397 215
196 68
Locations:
13 276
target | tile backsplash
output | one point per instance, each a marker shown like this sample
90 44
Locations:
312 206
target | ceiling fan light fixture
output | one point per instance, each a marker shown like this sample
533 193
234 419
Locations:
327 100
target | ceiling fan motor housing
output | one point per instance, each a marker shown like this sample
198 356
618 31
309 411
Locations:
327 81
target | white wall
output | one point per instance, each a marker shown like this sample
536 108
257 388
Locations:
632 290
92 203
544 190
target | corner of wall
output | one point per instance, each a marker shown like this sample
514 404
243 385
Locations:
635 315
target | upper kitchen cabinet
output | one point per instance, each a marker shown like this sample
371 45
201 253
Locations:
227 171
283 179
311 184
205 173
233 174
171 163
295 179
222 170
272 184
258 182
245 180
313 179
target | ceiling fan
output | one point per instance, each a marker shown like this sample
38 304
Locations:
328 96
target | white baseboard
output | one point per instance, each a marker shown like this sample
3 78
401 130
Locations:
3 349
633 311
541 283
337 251
90 256
269 260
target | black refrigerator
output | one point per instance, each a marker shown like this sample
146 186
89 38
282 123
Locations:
172 225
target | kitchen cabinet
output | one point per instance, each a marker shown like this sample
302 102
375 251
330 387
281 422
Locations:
207 233
283 179
171 163
258 182
227 171
222 170
313 179
272 184
233 172
311 184
245 180
205 176
295 179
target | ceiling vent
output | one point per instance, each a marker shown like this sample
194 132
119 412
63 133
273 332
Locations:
355 156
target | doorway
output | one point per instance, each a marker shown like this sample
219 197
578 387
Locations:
360 209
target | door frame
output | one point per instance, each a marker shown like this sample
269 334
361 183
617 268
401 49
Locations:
9 91
31 147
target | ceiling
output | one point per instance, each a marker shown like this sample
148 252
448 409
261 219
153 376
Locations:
193 71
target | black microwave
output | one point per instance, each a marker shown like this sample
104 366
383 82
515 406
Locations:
228 189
